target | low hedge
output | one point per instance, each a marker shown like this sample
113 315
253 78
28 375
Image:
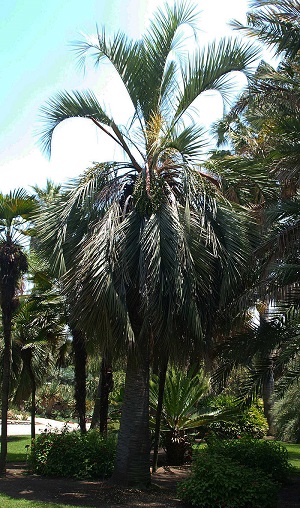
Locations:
268 456
217 481
73 455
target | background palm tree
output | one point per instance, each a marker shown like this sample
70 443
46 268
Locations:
15 210
45 197
39 335
152 225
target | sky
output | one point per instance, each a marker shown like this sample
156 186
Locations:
37 59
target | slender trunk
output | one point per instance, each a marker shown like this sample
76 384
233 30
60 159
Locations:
33 392
132 466
161 389
13 263
33 413
267 395
95 422
80 357
6 318
105 386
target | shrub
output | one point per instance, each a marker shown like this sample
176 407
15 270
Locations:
72 454
220 482
270 457
249 421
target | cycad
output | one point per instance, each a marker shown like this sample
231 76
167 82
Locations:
182 395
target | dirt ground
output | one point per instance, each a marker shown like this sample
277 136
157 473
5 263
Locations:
101 494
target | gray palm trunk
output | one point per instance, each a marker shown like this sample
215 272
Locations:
105 386
6 318
132 466
80 359
161 389
267 395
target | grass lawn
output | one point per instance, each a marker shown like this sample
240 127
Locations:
16 451
294 455
7 502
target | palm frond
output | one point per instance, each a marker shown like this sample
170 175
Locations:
70 105
210 69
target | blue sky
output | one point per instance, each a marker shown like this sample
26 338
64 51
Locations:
37 60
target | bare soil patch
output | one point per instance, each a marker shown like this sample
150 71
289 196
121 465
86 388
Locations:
96 494
102 494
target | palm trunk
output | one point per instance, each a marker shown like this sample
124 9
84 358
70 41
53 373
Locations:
161 389
33 392
267 395
132 466
6 317
26 354
80 357
105 385
95 422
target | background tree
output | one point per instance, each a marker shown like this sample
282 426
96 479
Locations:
15 210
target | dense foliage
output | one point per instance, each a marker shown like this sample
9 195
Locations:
243 421
269 457
217 481
72 454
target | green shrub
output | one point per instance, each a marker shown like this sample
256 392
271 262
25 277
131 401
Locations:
270 457
220 482
249 421
72 454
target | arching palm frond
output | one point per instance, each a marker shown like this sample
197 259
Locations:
210 70
274 22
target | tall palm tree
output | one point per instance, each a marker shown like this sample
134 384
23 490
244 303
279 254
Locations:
152 226
15 209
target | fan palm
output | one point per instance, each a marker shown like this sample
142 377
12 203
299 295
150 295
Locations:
15 209
150 228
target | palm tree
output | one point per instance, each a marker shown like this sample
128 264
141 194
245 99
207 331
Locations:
15 209
152 226
45 196
276 23
39 336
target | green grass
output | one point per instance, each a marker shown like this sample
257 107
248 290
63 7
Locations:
16 451
8 502
294 455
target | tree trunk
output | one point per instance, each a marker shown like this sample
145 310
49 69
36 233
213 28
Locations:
267 395
33 392
95 423
105 386
80 357
6 318
161 389
132 466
